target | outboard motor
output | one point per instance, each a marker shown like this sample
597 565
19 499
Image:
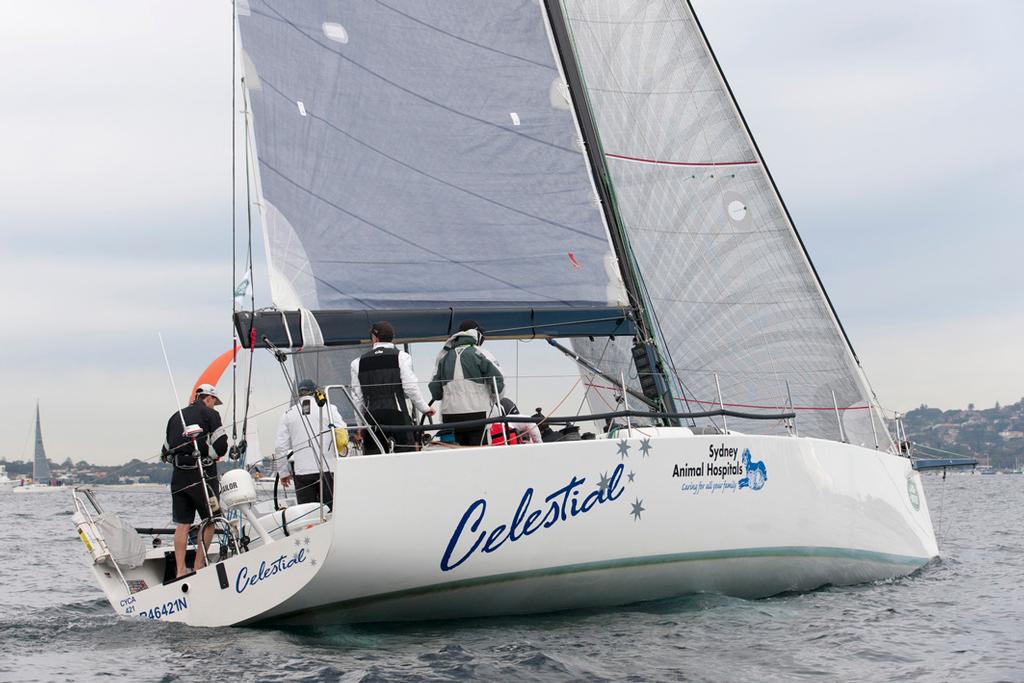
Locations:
237 491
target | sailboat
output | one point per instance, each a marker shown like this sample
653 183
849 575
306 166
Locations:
42 481
568 170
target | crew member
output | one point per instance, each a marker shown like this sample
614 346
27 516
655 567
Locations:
191 432
515 432
382 380
466 381
306 445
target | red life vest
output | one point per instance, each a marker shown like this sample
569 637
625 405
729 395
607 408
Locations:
498 432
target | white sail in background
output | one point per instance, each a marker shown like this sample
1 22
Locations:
40 465
729 282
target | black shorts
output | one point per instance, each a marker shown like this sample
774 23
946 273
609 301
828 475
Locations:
188 498
307 488
404 441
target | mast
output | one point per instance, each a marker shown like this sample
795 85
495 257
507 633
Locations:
645 350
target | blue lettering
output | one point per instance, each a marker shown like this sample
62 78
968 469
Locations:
497 533
592 499
243 580
164 610
614 481
561 504
446 564
529 528
551 518
518 517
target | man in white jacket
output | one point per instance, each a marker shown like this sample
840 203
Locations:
306 433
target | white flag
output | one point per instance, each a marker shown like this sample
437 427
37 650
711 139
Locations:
242 290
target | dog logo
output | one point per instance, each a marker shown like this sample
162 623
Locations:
915 499
756 473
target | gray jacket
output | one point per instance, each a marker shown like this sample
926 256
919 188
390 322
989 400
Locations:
464 377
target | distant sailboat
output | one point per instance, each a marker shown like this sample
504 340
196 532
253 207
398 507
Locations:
42 479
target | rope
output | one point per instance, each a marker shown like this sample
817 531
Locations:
939 450
752 405
234 232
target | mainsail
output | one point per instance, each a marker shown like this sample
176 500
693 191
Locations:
735 295
40 466
420 155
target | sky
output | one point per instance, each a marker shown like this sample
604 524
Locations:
892 130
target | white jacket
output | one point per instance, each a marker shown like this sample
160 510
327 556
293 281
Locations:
528 431
296 434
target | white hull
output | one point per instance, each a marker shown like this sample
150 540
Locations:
826 513
131 488
40 488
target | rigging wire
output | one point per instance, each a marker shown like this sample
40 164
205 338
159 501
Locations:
590 382
252 283
630 255
234 233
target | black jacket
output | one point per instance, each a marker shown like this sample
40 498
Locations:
213 434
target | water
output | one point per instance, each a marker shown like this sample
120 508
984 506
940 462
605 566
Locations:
961 617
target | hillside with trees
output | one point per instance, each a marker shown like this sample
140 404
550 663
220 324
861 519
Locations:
995 436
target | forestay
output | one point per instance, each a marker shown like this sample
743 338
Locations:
731 287
419 154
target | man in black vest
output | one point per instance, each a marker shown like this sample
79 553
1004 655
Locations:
191 454
382 379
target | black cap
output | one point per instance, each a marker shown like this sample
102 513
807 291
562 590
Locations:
508 407
383 330
306 387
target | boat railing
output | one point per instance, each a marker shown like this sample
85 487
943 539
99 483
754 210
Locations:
79 493
572 419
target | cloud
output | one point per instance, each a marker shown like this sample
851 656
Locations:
114 104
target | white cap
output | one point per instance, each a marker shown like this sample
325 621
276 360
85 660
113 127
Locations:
208 390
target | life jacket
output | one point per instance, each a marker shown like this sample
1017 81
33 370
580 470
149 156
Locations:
498 435
381 380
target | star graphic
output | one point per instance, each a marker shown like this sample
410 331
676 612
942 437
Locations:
306 540
638 507
631 476
645 447
312 563
624 449
603 484
297 543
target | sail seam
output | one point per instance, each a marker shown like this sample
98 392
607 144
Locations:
664 162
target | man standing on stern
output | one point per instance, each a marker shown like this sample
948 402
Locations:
382 379
190 434
306 445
